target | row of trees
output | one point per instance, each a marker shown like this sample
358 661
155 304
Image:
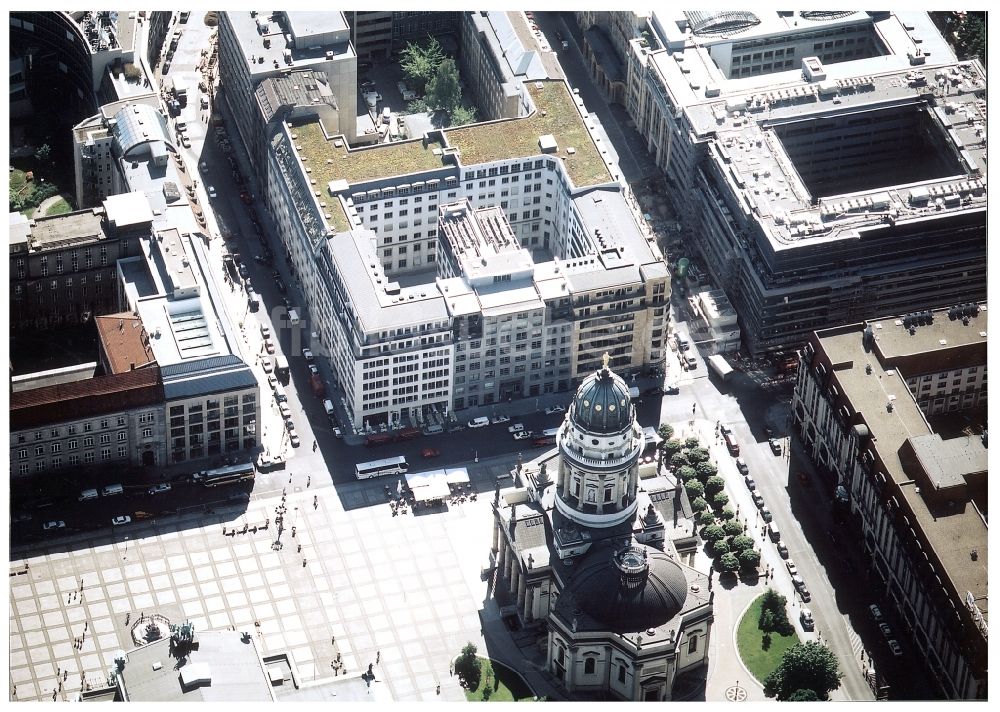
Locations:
434 75
705 489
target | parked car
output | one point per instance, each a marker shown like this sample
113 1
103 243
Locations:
501 419
775 445
896 648
876 612
123 519
313 369
481 422
203 167
672 389
285 411
157 489
294 438
690 361
430 452
269 346
272 380
792 568
308 354
367 84
782 549
741 465
516 428
522 435
553 409
751 484
211 192
765 513
48 526
801 587
758 499
886 630
806 616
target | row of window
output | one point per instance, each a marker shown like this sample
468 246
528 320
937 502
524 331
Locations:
104 424
73 460
22 453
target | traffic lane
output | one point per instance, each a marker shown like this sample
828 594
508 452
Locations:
136 503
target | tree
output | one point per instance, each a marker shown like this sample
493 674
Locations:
666 431
699 505
712 533
678 459
805 666
419 62
733 528
694 489
686 473
705 517
728 563
706 469
467 667
727 514
442 90
461 116
692 442
43 153
772 600
741 543
970 37
697 454
749 558
671 447
803 696
720 500
720 547
715 484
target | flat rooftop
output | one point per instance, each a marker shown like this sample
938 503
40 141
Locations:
313 30
746 121
231 663
556 113
76 228
952 535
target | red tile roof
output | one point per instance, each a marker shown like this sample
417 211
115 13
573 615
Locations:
124 342
88 398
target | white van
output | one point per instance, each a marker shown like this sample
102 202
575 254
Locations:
279 394
479 422
111 490
328 407
87 494
773 531
293 316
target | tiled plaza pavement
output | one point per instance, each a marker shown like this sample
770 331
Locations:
406 587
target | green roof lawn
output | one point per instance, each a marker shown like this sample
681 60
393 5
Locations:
358 165
555 114
519 137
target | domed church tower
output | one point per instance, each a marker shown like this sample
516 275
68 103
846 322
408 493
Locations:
599 446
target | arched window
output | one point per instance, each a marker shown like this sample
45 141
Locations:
589 666
692 644
621 673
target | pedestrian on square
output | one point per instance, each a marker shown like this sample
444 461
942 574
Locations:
378 656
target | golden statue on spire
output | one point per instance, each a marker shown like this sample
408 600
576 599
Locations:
607 359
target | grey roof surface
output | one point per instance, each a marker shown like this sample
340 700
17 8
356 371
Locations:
303 88
946 462
607 210
238 674
69 229
206 376
377 310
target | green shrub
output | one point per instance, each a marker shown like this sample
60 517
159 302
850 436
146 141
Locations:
720 500
733 528
691 442
705 517
727 513
715 484
699 504
694 489
697 454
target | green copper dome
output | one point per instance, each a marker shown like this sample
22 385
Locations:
602 404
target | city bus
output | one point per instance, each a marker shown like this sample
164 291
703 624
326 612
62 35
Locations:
377 468
225 475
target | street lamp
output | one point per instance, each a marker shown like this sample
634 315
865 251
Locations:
477 455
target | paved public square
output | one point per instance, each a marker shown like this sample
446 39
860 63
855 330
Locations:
405 588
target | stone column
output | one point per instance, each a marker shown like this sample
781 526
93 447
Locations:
501 556
528 605
522 588
496 534
515 577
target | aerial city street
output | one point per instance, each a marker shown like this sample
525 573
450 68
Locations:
498 355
